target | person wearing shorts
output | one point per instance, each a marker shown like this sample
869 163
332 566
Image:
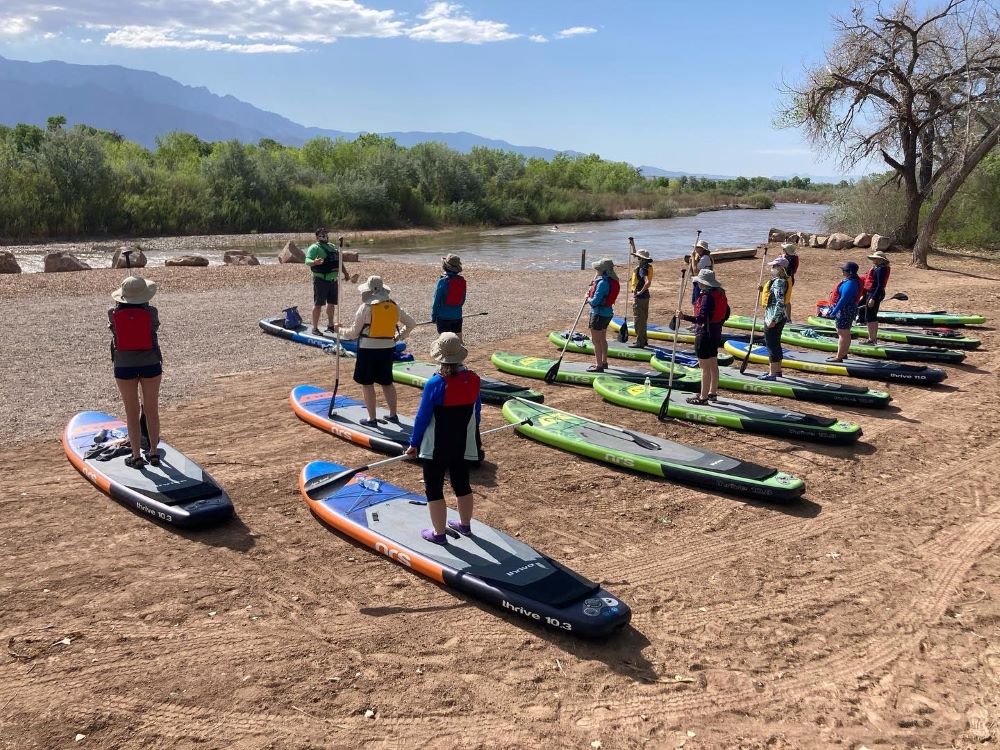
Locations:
449 297
875 282
445 436
846 309
378 323
603 291
709 312
138 365
323 258
775 315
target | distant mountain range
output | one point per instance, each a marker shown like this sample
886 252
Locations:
142 105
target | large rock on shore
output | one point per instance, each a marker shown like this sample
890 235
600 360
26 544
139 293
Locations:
60 261
863 240
879 242
8 263
136 260
291 253
839 241
777 235
818 240
187 260
239 258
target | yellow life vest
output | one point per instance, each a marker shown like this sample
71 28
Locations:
765 293
385 318
634 281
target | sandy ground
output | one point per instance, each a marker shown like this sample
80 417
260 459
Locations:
866 615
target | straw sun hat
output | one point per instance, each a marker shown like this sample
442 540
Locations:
449 349
706 277
452 263
134 291
374 289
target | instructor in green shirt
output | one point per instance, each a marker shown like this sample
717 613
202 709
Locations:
323 258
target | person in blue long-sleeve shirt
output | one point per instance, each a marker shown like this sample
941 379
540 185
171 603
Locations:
449 296
846 309
601 298
446 436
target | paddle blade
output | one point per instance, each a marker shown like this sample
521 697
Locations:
664 408
642 442
329 484
900 296
623 332
553 372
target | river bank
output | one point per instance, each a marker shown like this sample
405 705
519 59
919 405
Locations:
864 615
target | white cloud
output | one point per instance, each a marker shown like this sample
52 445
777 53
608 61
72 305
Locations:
447 22
16 25
576 31
538 38
146 37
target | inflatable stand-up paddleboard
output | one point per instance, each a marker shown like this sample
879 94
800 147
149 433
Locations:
177 492
870 369
944 338
491 390
731 413
575 373
312 404
581 344
650 454
907 318
304 335
801 389
488 565
656 332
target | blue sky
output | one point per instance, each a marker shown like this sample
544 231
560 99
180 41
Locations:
690 86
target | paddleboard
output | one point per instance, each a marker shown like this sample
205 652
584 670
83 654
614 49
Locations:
650 454
801 389
304 335
871 369
489 565
569 372
945 338
685 334
491 390
177 492
907 318
312 405
581 344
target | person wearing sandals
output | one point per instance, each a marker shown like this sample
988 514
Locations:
773 298
711 308
642 278
845 310
449 296
874 285
377 327
138 364
601 298
697 262
445 436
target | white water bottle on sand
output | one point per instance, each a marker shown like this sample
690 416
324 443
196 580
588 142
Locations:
647 384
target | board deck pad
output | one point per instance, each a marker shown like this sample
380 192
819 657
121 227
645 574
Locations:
303 335
492 390
650 454
312 404
178 491
489 564
581 344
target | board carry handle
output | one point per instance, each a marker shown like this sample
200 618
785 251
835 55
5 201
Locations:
330 483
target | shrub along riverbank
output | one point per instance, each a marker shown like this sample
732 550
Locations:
59 182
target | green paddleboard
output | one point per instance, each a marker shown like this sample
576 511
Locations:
569 372
581 344
944 338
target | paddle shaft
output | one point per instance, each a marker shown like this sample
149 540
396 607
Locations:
336 318
553 372
665 406
756 305
470 315
623 331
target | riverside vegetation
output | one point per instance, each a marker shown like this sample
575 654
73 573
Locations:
80 181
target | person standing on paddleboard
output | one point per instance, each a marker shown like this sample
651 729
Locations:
642 279
449 296
845 309
699 260
874 285
601 298
790 253
711 308
445 436
323 258
377 328
773 300
138 363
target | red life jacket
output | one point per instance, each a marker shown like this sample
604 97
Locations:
132 328
835 294
720 306
461 389
455 296
612 292
870 278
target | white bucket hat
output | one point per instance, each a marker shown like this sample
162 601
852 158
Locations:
374 289
644 254
604 265
706 277
449 349
134 291
702 245
789 248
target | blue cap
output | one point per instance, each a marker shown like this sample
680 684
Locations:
850 266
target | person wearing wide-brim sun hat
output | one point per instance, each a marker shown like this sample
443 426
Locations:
449 296
378 323
874 284
446 436
603 292
700 259
138 364
711 309
791 254
642 279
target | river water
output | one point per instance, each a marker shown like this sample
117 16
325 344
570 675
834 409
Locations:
531 247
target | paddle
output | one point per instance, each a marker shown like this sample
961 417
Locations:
336 378
470 315
331 483
756 304
623 331
553 372
665 406
900 296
